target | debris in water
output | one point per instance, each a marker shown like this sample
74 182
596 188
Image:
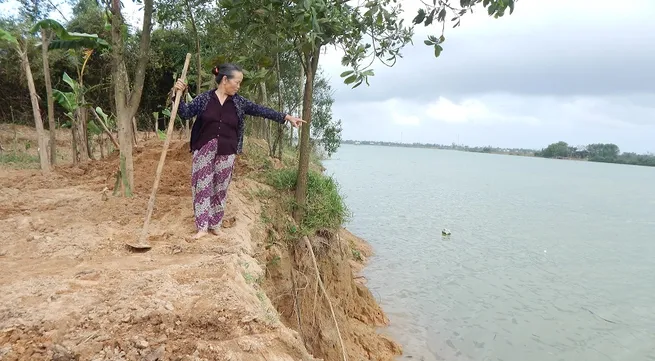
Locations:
445 232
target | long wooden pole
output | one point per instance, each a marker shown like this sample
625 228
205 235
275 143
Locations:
142 242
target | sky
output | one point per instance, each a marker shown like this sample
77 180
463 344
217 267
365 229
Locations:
580 71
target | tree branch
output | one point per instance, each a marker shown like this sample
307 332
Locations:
144 49
59 11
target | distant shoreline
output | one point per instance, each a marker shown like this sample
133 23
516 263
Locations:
644 160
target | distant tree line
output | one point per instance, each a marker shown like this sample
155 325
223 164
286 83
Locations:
598 152
453 146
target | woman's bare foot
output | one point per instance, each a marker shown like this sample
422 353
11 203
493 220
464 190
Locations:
217 232
199 235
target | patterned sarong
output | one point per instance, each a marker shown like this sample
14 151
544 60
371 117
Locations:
210 177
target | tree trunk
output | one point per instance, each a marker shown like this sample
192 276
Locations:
187 124
311 65
278 143
134 131
81 146
101 142
300 100
266 126
84 125
121 93
45 40
74 136
197 40
127 102
40 132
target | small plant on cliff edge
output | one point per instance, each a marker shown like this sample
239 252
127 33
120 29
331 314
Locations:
325 208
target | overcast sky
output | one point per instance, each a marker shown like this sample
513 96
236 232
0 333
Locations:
581 71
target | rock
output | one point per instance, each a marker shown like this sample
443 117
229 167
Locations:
4 351
160 340
157 355
229 222
61 353
140 343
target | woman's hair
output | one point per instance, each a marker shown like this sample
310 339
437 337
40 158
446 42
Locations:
226 69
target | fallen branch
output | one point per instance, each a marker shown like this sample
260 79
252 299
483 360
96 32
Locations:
320 283
104 127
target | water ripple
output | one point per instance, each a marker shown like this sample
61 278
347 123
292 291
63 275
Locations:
542 253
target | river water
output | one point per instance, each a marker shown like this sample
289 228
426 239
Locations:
547 260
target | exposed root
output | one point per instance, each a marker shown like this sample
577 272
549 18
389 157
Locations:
295 303
344 354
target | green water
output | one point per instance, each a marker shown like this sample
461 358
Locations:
548 259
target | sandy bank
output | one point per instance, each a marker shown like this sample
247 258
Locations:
70 290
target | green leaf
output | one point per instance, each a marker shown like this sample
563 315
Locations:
428 42
66 100
346 73
161 134
419 17
49 24
442 15
492 9
93 128
71 83
6 36
102 114
66 40
350 79
511 6
437 50
430 17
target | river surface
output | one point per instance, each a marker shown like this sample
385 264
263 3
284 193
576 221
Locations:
548 260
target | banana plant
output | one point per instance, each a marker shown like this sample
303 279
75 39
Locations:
69 40
71 101
75 43
19 44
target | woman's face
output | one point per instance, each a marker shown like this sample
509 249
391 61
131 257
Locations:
232 86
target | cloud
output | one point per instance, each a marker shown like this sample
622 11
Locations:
501 120
472 111
578 71
547 47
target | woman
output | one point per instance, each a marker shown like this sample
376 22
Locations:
216 139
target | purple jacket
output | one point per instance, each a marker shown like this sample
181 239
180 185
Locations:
243 105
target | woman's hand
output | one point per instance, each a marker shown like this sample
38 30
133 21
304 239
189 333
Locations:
296 122
180 85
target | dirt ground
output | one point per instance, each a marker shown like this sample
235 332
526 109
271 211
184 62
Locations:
71 290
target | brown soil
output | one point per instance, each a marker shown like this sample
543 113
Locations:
71 290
